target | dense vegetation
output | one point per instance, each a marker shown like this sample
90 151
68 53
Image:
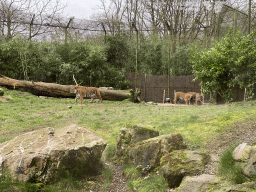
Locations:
230 62
93 63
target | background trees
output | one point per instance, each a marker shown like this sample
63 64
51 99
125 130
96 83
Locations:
30 17
144 36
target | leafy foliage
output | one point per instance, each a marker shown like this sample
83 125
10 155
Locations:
57 62
180 63
229 62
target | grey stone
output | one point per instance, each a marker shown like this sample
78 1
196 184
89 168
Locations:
196 183
45 155
241 152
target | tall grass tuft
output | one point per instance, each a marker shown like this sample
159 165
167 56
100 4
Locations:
229 169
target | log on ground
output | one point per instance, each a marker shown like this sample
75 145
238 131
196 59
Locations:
57 90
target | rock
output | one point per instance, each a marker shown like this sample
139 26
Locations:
5 99
249 168
179 163
196 183
133 134
1 91
245 187
45 155
148 153
241 152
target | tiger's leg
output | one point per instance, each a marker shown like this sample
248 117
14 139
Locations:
81 98
77 95
99 97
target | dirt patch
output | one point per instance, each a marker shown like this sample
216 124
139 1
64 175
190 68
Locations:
172 105
239 133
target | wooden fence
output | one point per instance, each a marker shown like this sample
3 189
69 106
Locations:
153 87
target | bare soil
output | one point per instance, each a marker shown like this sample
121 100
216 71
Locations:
236 134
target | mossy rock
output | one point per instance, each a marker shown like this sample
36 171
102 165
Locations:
1 91
148 153
132 134
179 163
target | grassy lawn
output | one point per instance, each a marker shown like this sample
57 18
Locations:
197 124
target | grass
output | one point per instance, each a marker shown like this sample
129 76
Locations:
197 124
230 169
147 184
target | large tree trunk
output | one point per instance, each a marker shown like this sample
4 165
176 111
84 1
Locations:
57 90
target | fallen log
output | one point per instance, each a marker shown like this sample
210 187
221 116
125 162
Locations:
57 90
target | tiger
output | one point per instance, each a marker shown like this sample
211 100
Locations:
180 95
199 97
86 92
196 97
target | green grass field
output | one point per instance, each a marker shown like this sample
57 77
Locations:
197 124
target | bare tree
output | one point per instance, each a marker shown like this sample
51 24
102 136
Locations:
112 17
29 17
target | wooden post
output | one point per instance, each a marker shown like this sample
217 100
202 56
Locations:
145 87
105 38
244 94
164 96
66 29
174 95
137 47
30 27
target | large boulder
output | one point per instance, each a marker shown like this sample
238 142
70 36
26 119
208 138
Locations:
47 154
133 134
147 153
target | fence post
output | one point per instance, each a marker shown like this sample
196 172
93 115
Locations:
30 27
136 66
66 29
164 96
244 94
104 32
174 95
145 84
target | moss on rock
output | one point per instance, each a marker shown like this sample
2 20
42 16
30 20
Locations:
179 163
132 134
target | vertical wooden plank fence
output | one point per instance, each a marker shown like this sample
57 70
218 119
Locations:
152 87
